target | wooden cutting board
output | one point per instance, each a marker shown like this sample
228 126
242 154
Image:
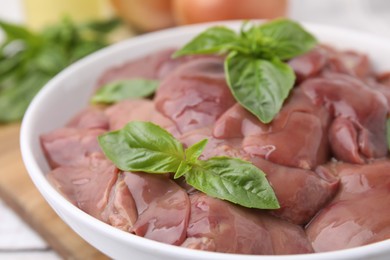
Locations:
18 191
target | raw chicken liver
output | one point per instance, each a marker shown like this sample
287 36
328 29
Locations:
163 207
359 214
324 155
126 111
70 146
195 94
301 192
358 132
91 117
220 226
86 186
153 66
297 137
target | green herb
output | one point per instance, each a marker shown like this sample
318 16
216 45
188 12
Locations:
388 132
234 180
259 85
193 152
119 90
141 146
283 38
255 73
29 59
213 40
145 147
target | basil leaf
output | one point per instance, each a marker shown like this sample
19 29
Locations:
216 39
258 80
143 146
17 32
124 89
286 39
184 167
260 86
193 152
15 100
29 59
388 132
234 180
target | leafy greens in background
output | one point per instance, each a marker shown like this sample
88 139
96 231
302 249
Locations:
255 72
146 147
29 59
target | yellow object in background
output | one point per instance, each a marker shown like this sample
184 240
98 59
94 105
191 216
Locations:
40 13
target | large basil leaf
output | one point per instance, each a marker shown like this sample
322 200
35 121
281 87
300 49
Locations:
284 38
124 89
216 39
234 180
261 86
143 146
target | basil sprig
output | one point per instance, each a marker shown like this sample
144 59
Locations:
146 147
123 89
29 59
255 73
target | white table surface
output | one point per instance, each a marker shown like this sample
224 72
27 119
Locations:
18 241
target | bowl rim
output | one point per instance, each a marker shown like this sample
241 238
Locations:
48 191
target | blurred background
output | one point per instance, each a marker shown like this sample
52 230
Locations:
147 15
38 38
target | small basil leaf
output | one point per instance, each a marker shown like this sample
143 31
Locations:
193 152
285 38
184 167
388 132
234 180
246 26
143 146
124 89
260 86
214 40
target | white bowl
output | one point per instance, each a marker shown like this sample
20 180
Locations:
69 92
